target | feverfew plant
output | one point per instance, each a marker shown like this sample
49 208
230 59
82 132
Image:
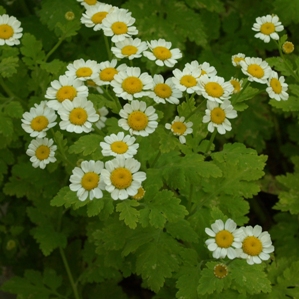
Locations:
136 150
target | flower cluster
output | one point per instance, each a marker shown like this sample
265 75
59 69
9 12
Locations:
249 243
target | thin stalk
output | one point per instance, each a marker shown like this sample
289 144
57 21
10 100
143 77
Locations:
210 142
108 49
9 92
194 111
241 92
61 39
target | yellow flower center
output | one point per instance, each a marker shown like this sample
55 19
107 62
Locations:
108 74
42 152
202 72
140 194
162 53
288 47
121 178
138 120
267 28
178 128
119 147
163 90
252 246
66 92
220 271
6 31
98 17
188 81
132 85
91 2
217 115
224 238
214 89
119 28
78 116
84 72
90 180
255 70
129 50
238 59
276 85
39 123
236 85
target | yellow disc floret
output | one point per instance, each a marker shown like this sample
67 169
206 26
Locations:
252 246
255 71
138 120
220 271
39 123
98 17
90 180
119 28
162 53
42 152
267 28
78 116
121 178
84 72
6 31
108 74
119 147
224 238
132 85
188 81
276 85
217 115
163 90
66 92
178 128
129 50
214 89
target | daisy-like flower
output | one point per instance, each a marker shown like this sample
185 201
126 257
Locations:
237 58
165 91
131 83
256 245
95 15
225 238
10 30
66 88
220 271
186 80
77 115
162 53
215 88
140 194
256 69
118 25
119 145
87 3
217 116
277 88
107 72
86 180
122 177
102 112
42 152
83 70
204 68
236 83
288 47
267 27
39 120
138 119
129 48
180 128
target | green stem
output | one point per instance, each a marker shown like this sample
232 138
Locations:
156 159
194 111
108 49
235 99
9 92
114 99
69 273
61 39
210 142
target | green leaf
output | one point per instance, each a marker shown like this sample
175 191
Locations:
128 213
181 230
216 5
86 145
8 66
285 67
95 206
55 67
14 109
51 279
287 10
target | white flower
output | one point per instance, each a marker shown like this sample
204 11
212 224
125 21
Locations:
165 91
215 88
217 116
186 80
118 24
162 53
138 119
66 88
77 115
256 69
42 152
277 88
119 145
86 180
267 28
225 239
180 128
131 83
88 3
107 72
129 48
102 112
204 68
10 30
83 70
122 177
236 84
256 245
237 58
39 120
95 14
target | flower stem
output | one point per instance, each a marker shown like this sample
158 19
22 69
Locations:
194 111
9 92
61 39
235 100
210 142
108 49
